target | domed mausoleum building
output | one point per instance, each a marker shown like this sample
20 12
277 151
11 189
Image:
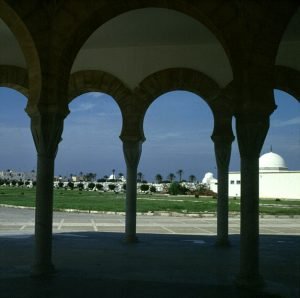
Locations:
275 180
272 162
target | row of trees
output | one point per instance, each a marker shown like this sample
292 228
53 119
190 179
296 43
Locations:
171 177
90 186
91 177
175 187
100 187
15 182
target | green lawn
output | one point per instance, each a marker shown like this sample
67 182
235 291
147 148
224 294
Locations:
73 199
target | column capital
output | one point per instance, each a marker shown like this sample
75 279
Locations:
46 129
222 132
35 111
222 151
132 152
132 129
251 133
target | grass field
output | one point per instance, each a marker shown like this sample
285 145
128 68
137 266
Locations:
100 201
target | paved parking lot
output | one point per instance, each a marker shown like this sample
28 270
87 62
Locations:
175 257
21 221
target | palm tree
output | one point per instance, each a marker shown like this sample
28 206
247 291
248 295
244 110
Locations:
171 177
113 174
158 178
139 176
180 172
192 178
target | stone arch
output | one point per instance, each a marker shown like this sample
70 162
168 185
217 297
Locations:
287 79
170 80
208 14
23 36
176 79
14 77
96 80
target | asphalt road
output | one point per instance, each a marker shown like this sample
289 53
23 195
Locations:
21 221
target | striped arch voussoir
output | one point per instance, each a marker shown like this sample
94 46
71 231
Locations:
94 80
176 79
14 77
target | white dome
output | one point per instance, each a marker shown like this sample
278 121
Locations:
207 178
272 162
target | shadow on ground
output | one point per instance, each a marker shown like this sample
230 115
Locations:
94 264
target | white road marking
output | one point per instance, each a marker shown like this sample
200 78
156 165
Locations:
60 224
25 225
169 230
94 225
205 231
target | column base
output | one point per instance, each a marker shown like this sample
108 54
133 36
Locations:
130 239
222 243
249 282
43 270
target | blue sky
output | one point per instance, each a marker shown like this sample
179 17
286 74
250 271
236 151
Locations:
177 127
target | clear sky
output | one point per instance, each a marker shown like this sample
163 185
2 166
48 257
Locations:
177 127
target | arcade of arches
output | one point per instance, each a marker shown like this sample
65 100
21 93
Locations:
232 53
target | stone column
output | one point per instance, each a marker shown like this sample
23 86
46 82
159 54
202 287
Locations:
251 132
132 153
46 129
222 153
222 138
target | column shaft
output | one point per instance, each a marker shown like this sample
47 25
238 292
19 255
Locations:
251 134
43 216
131 195
222 137
249 254
132 152
222 151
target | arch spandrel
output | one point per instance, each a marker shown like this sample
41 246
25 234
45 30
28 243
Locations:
199 13
289 46
287 79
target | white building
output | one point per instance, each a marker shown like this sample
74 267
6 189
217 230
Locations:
275 180
210 181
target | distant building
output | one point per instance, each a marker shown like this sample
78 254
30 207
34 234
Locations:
275 180
11 175
210 181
